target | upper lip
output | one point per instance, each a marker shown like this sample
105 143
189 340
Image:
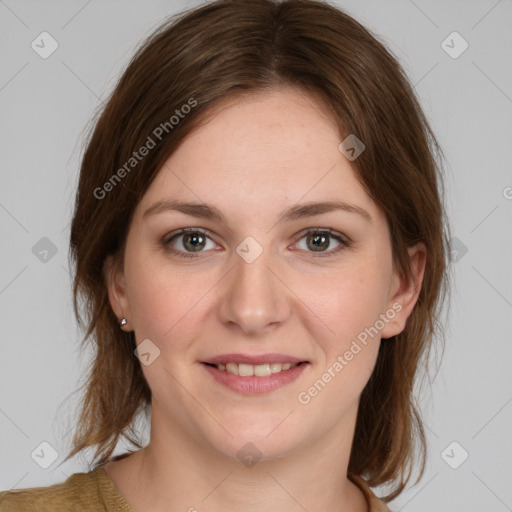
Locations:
254 360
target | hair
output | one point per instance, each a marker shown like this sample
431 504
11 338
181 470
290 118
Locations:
177 77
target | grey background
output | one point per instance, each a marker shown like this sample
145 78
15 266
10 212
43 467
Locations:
45 105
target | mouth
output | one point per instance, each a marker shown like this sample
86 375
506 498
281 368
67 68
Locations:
254 375
258 370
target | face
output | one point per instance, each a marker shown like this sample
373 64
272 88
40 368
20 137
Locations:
255 284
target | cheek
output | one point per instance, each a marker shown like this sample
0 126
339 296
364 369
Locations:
350 307
347 301
165 300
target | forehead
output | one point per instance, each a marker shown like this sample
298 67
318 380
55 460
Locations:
260 152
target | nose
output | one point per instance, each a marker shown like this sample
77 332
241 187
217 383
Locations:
254 297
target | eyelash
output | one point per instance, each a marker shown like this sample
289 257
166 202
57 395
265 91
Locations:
345 242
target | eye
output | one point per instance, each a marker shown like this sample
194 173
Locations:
320 239
193 240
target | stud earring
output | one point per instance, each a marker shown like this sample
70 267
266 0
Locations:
123 322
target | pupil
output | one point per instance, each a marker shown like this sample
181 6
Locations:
195 238
316 238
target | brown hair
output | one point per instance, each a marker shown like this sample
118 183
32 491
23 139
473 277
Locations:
210 54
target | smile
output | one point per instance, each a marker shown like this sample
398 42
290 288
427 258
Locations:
260 370
257 379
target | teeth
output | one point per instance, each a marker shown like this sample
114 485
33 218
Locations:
260 370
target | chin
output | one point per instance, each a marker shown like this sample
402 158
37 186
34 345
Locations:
254 441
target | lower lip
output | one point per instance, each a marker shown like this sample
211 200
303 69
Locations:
254 385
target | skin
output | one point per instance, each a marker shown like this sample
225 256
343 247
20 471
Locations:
287 301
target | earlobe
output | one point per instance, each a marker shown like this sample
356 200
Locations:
114 280
405 292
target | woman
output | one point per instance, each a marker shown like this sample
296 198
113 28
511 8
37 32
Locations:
259 241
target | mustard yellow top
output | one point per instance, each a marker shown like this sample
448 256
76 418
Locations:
96 492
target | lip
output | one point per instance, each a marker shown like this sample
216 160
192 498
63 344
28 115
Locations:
254 360
254 385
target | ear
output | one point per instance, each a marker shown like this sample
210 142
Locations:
404 292
116 286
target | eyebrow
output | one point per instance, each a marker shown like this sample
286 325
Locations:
208 211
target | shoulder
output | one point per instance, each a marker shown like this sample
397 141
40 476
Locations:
374 503
79 492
